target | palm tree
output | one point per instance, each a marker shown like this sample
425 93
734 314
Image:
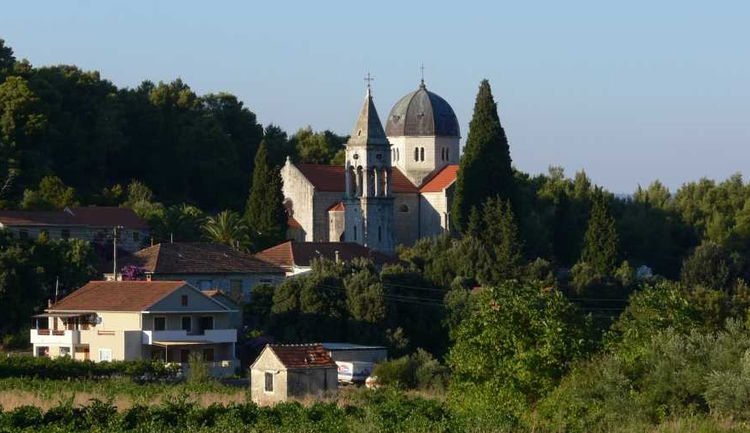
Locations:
227 228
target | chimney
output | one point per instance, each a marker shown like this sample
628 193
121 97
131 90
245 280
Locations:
336 253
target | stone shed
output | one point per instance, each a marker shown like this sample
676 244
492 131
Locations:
292 371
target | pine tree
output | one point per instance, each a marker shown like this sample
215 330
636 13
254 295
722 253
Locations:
265 211
501 236
485 168
600 243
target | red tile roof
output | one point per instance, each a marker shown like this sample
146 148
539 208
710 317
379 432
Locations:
117 296
338 207
332 178
94 216
196 258
441 180
293 223
291 253
302 355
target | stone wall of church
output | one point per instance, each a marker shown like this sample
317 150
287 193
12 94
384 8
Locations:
407 155
434 208
405 218
299 191
321 202
336 226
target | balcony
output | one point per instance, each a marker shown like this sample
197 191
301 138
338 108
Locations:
55 337
207 336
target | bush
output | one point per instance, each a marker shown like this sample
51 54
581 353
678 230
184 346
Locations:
419 370
67 368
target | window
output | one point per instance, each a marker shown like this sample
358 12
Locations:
184 355
184 301
65 233
421 153
23 234
186 323
208 355
269 382
105 354
403 208
136 237
355 233
160 323
416 154
65 351
42 351
207 322
205 284
380 235
397 154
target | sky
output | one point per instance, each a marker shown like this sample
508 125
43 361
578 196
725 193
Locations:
628 91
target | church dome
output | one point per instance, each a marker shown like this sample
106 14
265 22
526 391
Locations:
422 113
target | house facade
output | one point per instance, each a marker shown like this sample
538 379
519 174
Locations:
205 266
98 225
130 320
292 371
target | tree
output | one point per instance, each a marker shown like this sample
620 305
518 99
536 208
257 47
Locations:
227 228
709 267
501 234
179 223
278 145
485 167
600 243
316 147
519 339
52 194
7 60
265 210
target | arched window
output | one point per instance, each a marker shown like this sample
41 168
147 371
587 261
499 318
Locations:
421 154
355 233
447 154
380 235
416 154
403 208
397 154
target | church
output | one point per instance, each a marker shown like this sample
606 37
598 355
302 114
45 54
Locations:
396 185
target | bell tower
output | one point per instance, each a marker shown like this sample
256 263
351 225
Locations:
368 215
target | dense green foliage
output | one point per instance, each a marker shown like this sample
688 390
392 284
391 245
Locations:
29 271
67 368
485 167
265 213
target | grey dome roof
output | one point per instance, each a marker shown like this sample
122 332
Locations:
421 113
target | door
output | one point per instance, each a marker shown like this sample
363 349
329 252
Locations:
184 355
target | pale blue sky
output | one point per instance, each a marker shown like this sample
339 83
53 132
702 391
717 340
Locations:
629 91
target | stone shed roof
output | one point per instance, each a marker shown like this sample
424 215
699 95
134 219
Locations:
302 355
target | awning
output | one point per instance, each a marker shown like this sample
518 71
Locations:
61 315
179 343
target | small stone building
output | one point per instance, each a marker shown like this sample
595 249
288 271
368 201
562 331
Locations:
292 371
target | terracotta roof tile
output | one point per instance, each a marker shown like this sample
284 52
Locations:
441 180
290 253
303 355
117 295
332 178
196 258
77 216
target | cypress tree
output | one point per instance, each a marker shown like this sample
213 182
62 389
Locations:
265 211
600 243
501 236
485 167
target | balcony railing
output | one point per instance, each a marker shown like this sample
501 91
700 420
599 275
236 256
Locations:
55 336
208 335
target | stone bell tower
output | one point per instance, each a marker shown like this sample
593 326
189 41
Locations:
368 215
